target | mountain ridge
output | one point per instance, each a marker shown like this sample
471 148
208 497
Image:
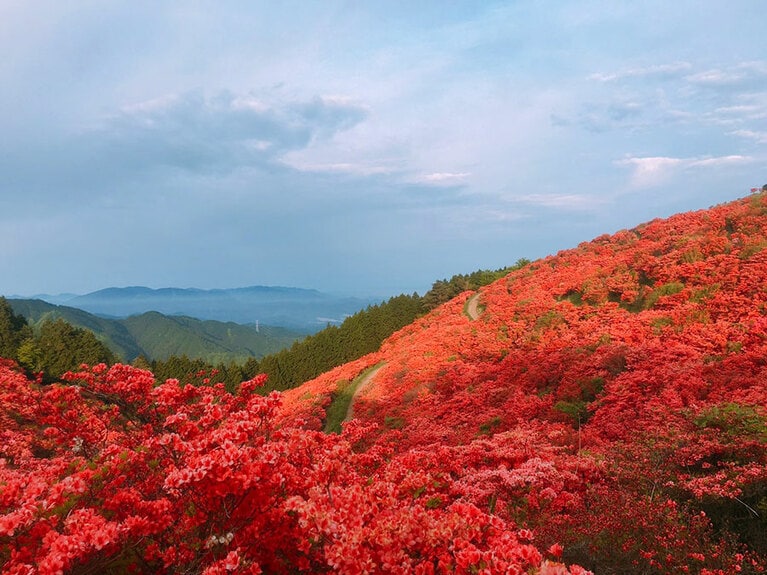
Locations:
303 309
156 336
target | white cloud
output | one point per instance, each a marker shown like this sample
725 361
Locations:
659 70
256 120
560 201
741 73
356 169
744 112
720 161
758 137
652 171
200 133
442 178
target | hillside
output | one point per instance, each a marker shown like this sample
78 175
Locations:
602 410
618 387
363 332
156 336
212 341
111 332
294 308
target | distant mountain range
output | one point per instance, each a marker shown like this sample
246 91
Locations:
157 336
299 309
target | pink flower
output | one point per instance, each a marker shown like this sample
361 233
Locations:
232 561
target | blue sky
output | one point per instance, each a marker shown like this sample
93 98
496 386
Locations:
359 147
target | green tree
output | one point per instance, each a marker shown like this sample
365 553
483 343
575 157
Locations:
60 347
13 330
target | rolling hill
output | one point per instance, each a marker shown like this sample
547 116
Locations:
156 336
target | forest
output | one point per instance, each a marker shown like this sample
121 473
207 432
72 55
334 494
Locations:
605 412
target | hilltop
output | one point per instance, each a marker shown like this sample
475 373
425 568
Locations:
603 408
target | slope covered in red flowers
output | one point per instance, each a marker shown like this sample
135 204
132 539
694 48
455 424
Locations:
611 398
606 409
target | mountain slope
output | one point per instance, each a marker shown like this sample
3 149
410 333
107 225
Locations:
618 388
213 341
111 332
156 336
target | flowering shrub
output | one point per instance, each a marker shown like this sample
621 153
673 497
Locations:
114 474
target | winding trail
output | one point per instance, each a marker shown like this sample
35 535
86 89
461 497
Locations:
472 306
471 310
366 381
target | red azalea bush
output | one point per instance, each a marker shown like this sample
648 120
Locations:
112 473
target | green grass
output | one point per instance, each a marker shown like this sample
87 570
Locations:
342 398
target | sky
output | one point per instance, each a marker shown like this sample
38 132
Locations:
359 147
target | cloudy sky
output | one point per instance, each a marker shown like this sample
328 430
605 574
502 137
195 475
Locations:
365 147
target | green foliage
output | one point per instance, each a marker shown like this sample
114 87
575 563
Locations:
574 297
59 347
212 341
742 432
176 347
158 337
490 426
752 249
339 405
576 406
358 335
364 332
13 330
443 291
658 323
704 293
734 420
199 372
692 256
549 319
394 422
577 410
52 347
648 298
670 288
342 399
110 331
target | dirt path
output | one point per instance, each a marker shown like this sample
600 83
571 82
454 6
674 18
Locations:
472 306
367 380
471 310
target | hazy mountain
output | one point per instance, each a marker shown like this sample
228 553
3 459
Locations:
56 299
295 308
156 336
